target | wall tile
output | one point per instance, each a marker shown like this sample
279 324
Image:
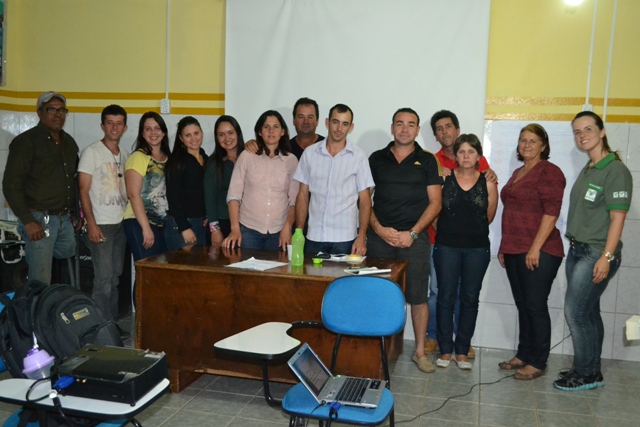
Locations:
623 349
496 326
628 295
631 243
632 153
495 286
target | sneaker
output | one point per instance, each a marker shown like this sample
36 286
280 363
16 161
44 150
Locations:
431 346
574 381
598 378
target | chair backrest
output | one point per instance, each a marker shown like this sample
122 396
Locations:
364 306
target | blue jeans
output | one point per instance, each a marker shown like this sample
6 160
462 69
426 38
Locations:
173 236
252 239
133 231
582 307
460 271
313 247
530 289
432 328
61 244
108 260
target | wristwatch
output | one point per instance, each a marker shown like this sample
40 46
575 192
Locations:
414 235
609 256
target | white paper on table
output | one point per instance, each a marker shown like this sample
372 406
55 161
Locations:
256 264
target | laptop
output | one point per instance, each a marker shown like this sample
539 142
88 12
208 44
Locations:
352 391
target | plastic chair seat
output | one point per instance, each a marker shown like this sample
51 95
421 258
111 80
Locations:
300 403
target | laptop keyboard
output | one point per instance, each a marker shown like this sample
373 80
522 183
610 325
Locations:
352 390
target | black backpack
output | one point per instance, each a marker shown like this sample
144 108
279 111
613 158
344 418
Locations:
62 318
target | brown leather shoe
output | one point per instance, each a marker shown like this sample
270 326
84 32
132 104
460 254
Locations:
431 346
471 354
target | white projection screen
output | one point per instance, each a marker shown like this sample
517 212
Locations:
373 55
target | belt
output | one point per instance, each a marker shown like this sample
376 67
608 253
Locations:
62 212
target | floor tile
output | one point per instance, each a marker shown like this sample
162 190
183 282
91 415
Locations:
556 419
214 402
492 415
444 390
453 410
565 403
506 397
222 401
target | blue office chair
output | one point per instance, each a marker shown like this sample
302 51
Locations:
14 418
366 306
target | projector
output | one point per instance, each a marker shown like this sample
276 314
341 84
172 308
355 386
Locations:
115 374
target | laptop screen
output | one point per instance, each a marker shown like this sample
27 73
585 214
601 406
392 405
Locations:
308 366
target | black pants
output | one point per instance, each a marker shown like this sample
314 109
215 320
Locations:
530 292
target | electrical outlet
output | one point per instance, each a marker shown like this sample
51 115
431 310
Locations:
165 106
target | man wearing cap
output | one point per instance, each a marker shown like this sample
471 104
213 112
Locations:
39 185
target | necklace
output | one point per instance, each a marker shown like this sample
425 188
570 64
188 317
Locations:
117 161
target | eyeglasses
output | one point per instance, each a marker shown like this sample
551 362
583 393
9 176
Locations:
52 110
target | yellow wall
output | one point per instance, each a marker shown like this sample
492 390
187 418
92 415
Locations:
98 51
539 55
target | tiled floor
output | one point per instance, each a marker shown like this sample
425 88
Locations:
224 401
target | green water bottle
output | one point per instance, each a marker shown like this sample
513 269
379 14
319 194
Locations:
297 251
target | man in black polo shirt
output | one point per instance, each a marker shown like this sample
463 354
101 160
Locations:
406 200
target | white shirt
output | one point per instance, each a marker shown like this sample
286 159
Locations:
107 193
334 184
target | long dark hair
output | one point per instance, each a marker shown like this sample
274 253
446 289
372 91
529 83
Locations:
284 146
178 157
600 125
141 144
219 153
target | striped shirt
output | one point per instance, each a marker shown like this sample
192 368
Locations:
334 184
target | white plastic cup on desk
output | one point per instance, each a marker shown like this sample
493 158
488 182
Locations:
289 251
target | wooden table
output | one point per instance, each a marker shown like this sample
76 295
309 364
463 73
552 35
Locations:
187 300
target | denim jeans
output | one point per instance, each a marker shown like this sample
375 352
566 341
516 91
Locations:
133 231
108 260
460 271
252 239
313 247
432 329
530 291
173 236
60 243
582 307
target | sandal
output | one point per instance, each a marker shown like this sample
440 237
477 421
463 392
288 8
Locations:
508 365
523 376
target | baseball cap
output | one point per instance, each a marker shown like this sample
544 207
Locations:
47 96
